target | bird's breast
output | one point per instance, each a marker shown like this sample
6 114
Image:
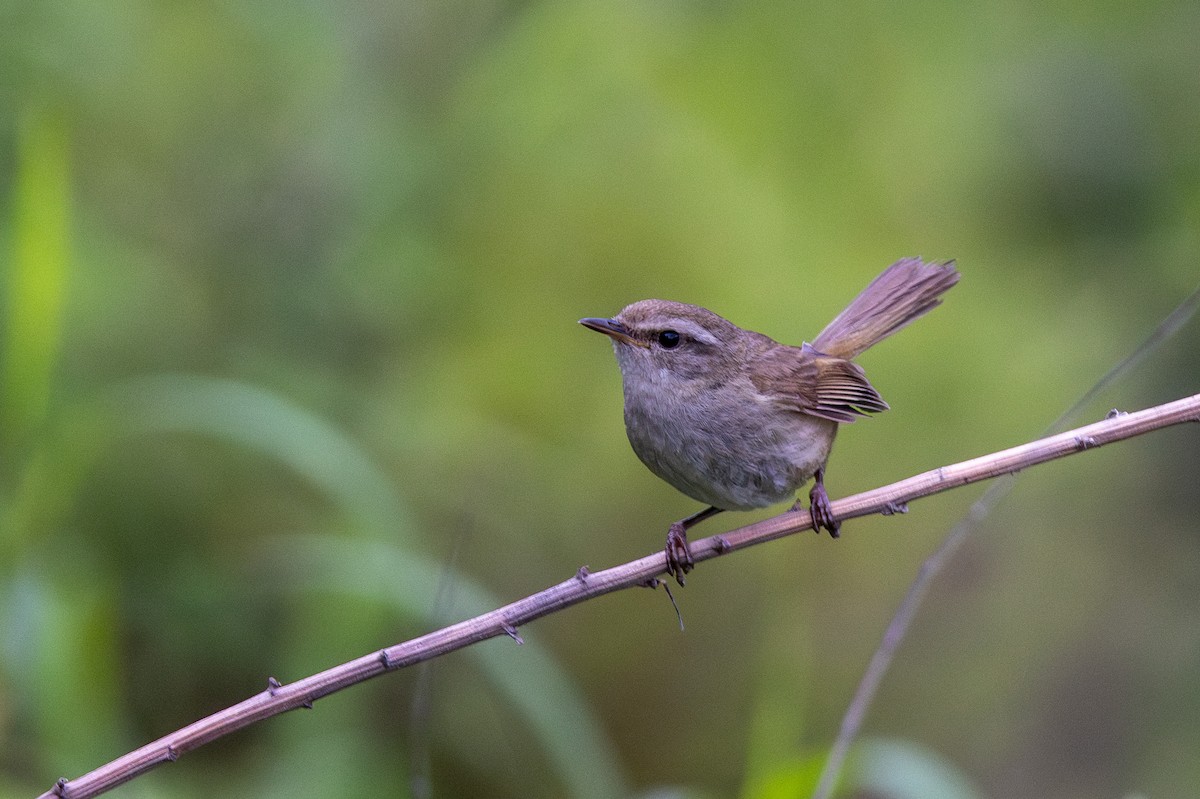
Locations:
726 447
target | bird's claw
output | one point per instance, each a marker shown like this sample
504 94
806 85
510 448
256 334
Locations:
822 512
679 554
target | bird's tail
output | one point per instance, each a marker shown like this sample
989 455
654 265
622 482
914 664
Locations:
904 291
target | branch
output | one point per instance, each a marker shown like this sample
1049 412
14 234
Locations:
583 586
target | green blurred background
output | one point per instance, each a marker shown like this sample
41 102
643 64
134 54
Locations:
291 372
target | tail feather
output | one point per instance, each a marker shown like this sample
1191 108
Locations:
903 292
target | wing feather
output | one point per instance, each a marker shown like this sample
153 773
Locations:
806 381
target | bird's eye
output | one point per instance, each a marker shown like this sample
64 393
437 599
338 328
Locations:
668 339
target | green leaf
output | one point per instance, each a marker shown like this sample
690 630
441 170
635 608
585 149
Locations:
884 767
791 780
901 769
37 272
270 424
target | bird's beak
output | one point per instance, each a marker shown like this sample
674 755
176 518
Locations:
611 328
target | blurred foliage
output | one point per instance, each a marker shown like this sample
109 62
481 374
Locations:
291 372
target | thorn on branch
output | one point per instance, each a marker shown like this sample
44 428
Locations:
1114 413
307 704
583 574
385 660
721 544
172 753
273 685
60 787
1086 442
512 633
892 508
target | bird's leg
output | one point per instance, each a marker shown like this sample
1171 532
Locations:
679 553
822 513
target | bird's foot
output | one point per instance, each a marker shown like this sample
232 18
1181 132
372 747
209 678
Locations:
679 554
822 512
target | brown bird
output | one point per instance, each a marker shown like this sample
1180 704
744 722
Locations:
739 421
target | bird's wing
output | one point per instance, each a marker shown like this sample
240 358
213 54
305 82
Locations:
806 381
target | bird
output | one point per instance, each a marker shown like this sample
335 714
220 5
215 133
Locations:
738 421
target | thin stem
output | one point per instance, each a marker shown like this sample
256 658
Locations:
583 586
897 628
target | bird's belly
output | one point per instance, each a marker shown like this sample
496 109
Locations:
734 466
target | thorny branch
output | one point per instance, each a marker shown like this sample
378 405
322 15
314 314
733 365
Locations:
585 585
